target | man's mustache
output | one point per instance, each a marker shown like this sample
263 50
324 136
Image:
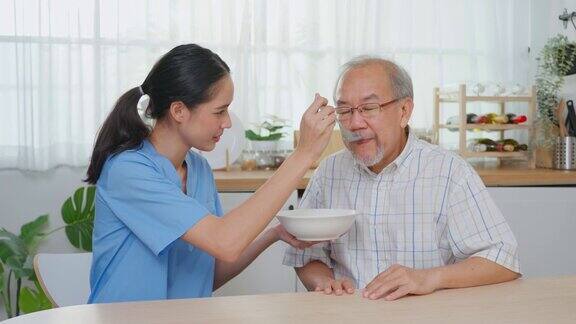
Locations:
351 137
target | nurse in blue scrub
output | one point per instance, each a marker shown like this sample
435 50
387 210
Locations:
159 230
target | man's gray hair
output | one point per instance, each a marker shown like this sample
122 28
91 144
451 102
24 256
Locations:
400 80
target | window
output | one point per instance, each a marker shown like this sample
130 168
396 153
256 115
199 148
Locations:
64 63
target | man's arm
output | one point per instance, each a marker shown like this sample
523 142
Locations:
317 276
398 281
474 271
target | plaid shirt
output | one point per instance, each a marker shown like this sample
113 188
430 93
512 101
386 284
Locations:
426 209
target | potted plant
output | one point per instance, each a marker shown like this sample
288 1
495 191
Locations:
557 60
17 252
268 133
264 140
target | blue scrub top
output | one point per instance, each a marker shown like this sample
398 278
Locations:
141 212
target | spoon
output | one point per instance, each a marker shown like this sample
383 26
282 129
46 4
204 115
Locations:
348 135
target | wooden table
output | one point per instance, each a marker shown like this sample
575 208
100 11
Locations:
236 180
543 300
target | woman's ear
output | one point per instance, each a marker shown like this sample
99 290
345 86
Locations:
178 111
407 108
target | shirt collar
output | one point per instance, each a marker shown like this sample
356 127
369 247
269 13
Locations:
164 163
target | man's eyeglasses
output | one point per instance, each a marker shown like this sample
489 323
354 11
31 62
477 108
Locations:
367 110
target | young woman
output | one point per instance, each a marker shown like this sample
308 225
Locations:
159 231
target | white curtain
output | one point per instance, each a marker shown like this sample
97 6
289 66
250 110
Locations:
63 63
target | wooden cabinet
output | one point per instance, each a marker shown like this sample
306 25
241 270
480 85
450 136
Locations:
544 222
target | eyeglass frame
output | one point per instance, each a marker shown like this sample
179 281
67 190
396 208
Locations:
359 109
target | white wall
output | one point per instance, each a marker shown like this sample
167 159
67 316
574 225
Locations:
544 22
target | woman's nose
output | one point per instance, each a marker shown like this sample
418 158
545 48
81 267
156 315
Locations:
227 123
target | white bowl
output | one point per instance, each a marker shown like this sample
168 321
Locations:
317 224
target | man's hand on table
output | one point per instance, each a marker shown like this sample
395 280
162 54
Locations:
335 286
398 281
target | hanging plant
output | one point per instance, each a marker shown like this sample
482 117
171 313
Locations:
557 59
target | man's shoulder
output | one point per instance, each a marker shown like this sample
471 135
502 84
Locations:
432 155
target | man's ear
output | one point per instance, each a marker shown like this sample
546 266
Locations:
178 111
406 112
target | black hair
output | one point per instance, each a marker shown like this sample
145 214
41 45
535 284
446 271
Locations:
187 73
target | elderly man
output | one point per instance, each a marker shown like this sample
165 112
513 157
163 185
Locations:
425 219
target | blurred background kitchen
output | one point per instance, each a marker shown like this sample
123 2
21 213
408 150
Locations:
63 63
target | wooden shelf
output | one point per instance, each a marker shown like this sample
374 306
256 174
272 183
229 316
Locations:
519 154
462 99
495 127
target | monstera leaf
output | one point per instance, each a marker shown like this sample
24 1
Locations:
78 214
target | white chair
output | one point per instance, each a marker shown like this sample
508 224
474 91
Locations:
64 277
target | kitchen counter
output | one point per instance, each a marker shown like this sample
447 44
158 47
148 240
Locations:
542 300
492 176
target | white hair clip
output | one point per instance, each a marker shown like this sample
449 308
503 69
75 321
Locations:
142 105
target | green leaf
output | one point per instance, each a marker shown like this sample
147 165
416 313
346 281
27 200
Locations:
252 136
78 214
2 283
275 137
255 137
29 232
33 300
17 264
11 245
89 206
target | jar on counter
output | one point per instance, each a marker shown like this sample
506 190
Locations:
249 160
280 156
264 160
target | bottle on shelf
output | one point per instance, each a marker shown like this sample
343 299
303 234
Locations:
489 145
490 118
513 119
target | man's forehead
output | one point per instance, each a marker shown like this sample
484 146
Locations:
372 77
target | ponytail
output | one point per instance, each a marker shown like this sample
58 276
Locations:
123 129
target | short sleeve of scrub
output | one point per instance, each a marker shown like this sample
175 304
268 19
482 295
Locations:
152 207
